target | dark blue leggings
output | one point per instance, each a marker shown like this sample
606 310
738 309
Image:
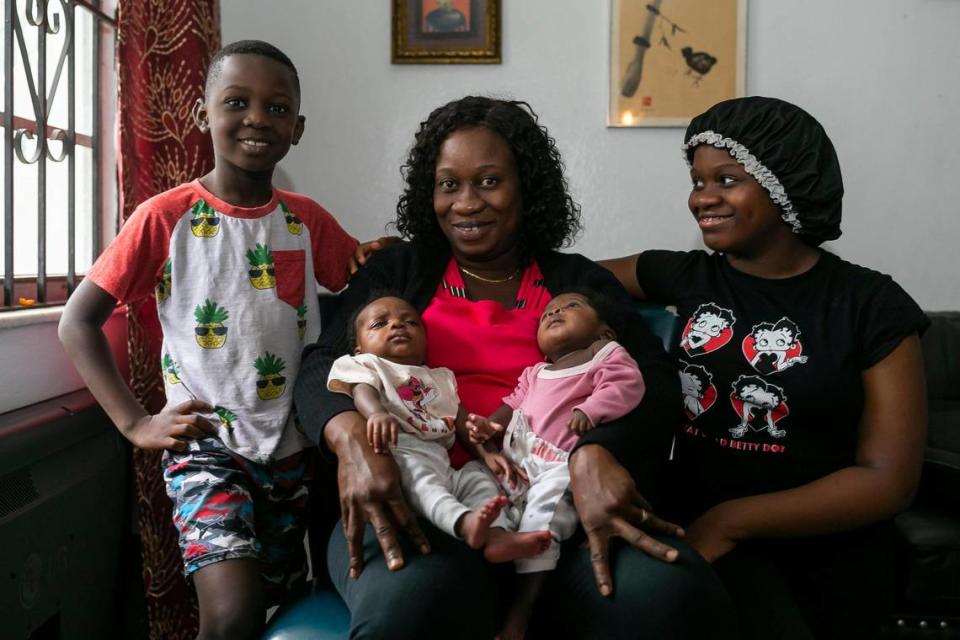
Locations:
454 593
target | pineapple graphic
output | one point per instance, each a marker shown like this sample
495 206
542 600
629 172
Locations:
261 267
170 369
294 224
227 417
205 222
301 319
211 334
271 384
162 290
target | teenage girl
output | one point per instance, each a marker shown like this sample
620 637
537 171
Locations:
808 436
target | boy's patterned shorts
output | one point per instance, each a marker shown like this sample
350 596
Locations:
227 507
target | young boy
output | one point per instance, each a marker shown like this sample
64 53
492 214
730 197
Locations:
413 412
232 262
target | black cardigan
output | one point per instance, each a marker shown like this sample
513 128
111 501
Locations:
639 440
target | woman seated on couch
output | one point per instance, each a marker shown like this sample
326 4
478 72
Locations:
801 375
485 208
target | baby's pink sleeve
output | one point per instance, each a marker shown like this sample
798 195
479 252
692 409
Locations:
618 388
515 399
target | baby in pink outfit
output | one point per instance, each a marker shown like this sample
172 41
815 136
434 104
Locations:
587 379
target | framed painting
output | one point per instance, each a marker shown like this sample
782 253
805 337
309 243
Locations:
672 59
446 32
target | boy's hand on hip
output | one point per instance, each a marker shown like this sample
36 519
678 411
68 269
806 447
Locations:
173 427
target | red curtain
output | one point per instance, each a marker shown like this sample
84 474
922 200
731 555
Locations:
163 49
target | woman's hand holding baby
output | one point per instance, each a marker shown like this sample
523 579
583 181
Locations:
610 506
370 492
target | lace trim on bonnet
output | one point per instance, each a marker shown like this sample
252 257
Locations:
751 165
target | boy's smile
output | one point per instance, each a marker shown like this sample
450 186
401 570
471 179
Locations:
252 111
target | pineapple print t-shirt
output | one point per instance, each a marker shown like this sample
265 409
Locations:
236 296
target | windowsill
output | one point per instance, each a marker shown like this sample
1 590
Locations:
40 368
24 317
43 315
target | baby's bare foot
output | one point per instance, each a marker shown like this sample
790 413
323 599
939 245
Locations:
475 526
507 546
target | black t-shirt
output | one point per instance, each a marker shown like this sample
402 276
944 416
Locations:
771 369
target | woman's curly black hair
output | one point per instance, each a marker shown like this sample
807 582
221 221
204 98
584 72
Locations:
550 218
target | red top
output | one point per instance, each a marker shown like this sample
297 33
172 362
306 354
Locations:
485 345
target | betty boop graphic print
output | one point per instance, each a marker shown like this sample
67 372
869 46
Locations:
710 328
697 388
760 406
771 348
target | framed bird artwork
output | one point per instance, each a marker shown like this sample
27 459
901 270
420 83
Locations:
672 59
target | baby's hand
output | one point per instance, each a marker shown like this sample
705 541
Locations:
508 473
579 423
382 429
480 429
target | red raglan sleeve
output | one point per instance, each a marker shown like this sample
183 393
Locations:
331 246
131 265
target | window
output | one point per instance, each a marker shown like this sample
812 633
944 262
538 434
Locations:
58 192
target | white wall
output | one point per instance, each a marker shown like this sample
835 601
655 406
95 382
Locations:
883 76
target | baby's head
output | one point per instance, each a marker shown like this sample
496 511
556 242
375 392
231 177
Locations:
574 320
784 150
389 327
251 105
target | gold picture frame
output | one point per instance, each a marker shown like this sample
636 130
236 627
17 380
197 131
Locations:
673 59
445 32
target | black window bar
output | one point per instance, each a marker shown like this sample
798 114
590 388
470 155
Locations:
46 19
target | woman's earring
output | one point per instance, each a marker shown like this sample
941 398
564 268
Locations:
199 115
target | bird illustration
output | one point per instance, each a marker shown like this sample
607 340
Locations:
700 62
634 71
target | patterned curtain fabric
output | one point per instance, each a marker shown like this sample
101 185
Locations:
163 48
